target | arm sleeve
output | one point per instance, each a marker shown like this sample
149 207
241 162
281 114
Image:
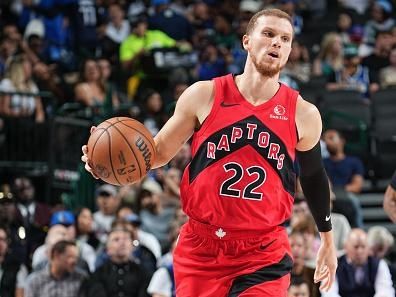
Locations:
315 185
393 181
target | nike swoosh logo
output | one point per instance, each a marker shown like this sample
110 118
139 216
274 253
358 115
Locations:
228 105
328 218
263 247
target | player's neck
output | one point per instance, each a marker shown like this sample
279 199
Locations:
256 88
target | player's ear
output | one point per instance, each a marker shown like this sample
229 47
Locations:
245 41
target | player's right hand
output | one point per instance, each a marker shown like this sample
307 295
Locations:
85 159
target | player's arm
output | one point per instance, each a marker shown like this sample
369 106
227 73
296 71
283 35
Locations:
191 109
314 181
315 185
390 199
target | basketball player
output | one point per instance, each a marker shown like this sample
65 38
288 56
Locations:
390 199
238 189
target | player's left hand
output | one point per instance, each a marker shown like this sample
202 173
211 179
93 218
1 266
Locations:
326 265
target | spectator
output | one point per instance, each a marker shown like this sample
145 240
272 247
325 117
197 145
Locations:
108 203
341 227
48 77
330 57
381 20
139 42
344 171
112 100
176 90
7 49
84 228
238 53
18 78
306 226
141 254
200 18
289 6
359 274
165 19
17 249
182 158
298 66
146 239
91 91
152 115
300 269
353 76
118 276
344 25
12 273
62 228
346 176
61 278
170 197
224 36
117 30
162 283
51 15
211 63
298 288
387 75
87 23
379 59
358 6
300 209
155 218
379 241
34 216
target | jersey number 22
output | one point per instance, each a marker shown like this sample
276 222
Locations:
248 192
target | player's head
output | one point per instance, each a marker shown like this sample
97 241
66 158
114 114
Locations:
298 288
268 40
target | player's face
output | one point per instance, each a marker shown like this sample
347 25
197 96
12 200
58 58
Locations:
269 44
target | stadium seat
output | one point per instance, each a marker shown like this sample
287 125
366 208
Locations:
384 132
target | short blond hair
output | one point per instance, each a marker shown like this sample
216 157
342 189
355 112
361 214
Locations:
267 12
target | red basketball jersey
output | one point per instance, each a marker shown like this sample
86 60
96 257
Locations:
242 173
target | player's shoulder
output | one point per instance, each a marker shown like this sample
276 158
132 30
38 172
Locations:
305 108
199 92
202 86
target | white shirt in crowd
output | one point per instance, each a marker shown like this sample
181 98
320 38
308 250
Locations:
160 283
118 35
150 242
383 284
102 225
20 104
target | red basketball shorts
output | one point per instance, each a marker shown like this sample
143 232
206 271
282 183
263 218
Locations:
213 262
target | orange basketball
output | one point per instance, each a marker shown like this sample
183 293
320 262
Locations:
121 151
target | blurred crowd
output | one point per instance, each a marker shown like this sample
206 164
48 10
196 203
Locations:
103 58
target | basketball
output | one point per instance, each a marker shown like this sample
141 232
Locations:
121 151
